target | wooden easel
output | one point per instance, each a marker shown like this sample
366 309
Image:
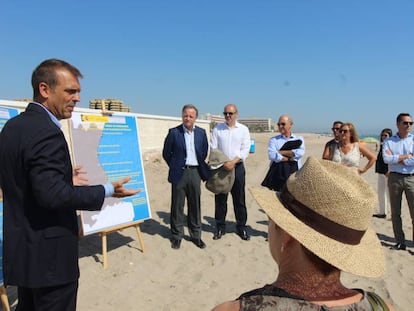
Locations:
4 299
113 229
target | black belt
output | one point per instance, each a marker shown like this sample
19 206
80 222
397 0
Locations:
189 167
402 174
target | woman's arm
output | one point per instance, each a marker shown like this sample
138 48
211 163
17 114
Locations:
369 155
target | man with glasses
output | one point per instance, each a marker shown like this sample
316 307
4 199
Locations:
233 139
333 143
285 152
398 154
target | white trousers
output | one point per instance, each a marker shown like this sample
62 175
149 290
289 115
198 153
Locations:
383 195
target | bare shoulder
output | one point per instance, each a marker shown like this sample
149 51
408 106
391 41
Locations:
228 306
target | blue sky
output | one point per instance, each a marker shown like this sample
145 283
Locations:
318 60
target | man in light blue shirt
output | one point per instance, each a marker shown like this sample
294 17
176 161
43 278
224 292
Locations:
287 159
398 154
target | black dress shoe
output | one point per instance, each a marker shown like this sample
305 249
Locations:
399 247
218 234
175 244
379 215
199 243
243 234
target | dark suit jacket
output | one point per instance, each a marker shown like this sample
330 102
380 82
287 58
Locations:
279 173
40 202
175 153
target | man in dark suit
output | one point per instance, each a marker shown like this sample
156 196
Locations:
185 151
41 194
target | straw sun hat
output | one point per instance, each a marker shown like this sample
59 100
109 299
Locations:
327 207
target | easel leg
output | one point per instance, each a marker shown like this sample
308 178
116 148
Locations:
104 250
141 241
104 241
4 299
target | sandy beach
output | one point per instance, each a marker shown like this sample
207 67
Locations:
193 279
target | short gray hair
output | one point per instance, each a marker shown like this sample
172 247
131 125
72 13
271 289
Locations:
189 106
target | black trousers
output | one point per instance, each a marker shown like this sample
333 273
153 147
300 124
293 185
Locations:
188 187
239 201
53 298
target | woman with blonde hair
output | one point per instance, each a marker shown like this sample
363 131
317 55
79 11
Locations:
349 150
319 225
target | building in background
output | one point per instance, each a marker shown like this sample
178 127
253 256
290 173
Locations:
109 104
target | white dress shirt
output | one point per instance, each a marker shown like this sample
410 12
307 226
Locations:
233 141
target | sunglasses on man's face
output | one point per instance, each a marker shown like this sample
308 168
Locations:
335 129
228 113
281 124
407 122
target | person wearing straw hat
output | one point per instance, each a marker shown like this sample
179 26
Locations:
319 225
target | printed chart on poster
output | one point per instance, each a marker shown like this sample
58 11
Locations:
5 114
108 148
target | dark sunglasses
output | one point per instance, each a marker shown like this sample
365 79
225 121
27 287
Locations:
336 129
228 113
407 122
281 124
344 131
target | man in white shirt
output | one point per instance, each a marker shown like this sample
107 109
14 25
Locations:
233 138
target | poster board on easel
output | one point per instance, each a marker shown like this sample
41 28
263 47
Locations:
108 148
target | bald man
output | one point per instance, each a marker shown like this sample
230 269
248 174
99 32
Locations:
233 138
288 159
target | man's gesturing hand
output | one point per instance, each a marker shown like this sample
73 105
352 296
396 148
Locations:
120 191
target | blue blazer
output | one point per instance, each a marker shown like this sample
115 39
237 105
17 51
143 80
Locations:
175 153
